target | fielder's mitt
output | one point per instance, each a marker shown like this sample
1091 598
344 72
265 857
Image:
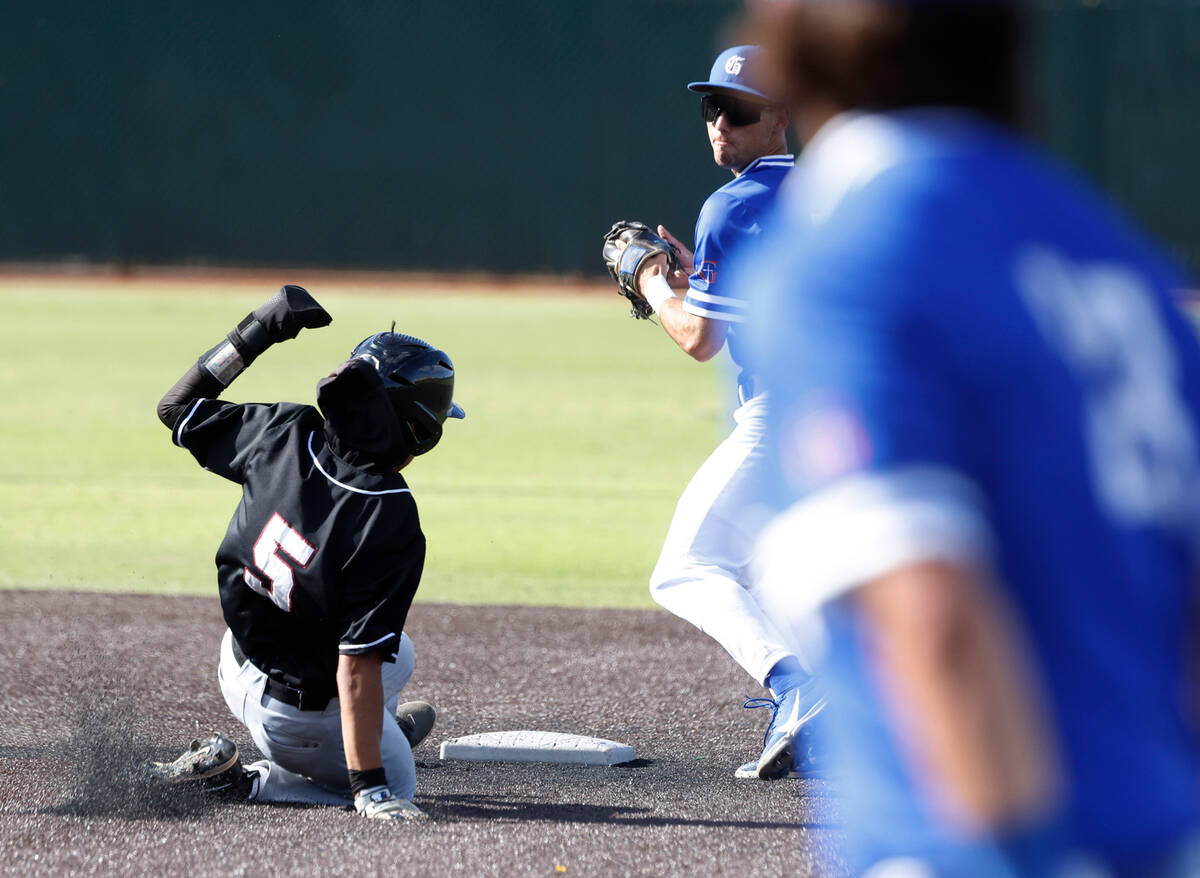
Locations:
626 245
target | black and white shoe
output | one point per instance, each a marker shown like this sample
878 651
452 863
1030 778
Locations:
415 719
213 763
202 759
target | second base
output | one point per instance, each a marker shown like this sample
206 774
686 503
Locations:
531 746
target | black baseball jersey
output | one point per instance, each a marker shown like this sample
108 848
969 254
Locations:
321 557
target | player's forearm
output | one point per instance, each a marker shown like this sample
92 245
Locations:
698 337
693 334
961 700
360 694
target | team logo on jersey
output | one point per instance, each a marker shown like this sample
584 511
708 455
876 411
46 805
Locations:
733 65
708 271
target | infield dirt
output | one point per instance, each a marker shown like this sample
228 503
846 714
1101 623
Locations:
96 683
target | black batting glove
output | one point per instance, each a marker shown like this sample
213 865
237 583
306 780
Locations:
291 309
279 318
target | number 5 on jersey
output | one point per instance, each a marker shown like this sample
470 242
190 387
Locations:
278 539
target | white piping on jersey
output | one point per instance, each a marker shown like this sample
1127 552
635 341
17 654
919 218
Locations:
714 299
701 311
177 434
366 645
771 161
317 464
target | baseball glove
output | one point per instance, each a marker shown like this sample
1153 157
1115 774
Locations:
626 245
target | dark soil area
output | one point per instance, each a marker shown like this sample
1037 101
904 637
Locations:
94 684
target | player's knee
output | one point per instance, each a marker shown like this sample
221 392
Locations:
655 591
402 783
398 764
662 580
657 582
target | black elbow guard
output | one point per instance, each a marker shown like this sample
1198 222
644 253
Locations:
195 384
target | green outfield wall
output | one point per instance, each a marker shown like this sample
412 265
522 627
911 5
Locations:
476 136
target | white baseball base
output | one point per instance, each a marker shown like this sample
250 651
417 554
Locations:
530 746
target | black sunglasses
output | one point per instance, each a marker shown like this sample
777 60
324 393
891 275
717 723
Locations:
737 113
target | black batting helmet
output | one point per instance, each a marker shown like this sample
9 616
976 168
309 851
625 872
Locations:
391 397
419 380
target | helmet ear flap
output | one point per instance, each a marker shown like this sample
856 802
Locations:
421 428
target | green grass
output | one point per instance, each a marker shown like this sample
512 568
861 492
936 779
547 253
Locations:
582 430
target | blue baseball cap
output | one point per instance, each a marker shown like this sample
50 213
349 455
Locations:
739 70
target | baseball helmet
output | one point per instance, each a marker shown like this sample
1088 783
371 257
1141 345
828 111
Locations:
391 397
419 381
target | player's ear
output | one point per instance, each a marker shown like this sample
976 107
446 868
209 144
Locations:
783 118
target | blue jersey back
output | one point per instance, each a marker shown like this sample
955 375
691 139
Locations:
729 219
969 354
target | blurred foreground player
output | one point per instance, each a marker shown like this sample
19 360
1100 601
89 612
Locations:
703 571
319 565
987 410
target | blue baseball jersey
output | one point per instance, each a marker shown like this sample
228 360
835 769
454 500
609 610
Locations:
729 218
973 358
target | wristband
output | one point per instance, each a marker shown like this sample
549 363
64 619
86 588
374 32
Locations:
241 347
656 291
223 363
366 779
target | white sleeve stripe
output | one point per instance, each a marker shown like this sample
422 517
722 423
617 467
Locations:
177 435
863 526
693 308
701 296
376 642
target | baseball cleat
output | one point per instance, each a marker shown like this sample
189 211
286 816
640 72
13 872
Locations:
203 759
790 713
415 719
749 771
213 763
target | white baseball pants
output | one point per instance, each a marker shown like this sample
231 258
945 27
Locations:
703 573
305 759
